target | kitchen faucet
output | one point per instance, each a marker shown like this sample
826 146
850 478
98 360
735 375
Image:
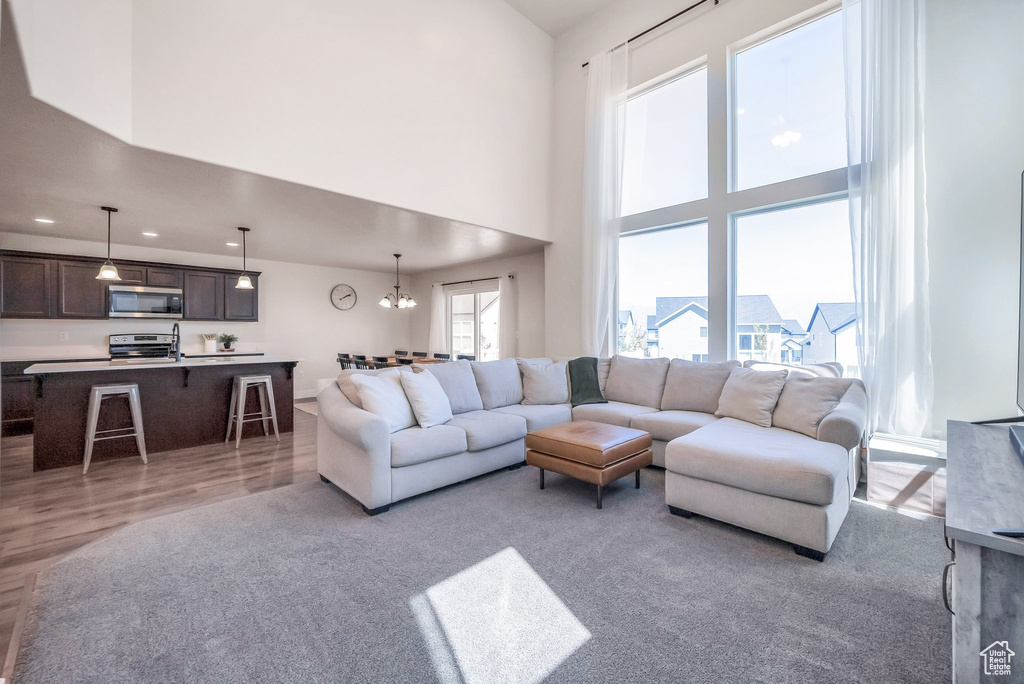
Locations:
177 343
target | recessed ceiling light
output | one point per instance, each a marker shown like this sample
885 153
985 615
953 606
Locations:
150 234
42 220
232 244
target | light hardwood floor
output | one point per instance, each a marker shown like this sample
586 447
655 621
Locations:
45 515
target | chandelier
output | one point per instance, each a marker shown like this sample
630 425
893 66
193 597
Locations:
399 300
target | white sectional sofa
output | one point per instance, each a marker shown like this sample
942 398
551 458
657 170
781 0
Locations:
789 484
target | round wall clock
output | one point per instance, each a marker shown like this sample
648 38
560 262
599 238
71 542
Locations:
343 297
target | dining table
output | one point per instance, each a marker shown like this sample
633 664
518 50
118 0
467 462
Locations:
393 360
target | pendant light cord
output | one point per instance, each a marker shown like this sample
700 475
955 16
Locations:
108 235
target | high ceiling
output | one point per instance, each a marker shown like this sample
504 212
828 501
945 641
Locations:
57 167
555 16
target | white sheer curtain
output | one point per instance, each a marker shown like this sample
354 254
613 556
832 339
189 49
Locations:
602 174
889 226
437 342
508 331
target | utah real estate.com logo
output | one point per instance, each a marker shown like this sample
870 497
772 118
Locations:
996 658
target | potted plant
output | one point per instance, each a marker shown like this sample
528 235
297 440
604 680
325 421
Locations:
228 340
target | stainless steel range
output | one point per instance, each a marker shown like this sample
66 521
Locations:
142 346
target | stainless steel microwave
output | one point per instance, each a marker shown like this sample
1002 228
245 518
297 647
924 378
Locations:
139 301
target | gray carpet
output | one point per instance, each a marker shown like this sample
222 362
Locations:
489 580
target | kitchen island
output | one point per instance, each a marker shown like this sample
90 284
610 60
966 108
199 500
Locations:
184 404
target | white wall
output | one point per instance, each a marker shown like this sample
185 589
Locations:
975 155
529 272
79 58
443 107
297 319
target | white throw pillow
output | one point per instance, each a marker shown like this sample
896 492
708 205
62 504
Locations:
349 389
498 382
805 401
751 396
458 382
695 386
636 381
383 395
548 384
428 400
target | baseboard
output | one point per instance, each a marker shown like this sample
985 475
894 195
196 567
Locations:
7 673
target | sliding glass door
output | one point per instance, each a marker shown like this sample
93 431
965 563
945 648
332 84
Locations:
473 322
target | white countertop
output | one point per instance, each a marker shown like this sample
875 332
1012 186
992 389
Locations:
105 355
220 360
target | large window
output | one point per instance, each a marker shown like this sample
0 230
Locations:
474 314
666 148
663 283
794 279
789 117
756 263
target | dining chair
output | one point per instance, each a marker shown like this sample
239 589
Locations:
419 355
405 362
466 357
380 361
443 357
360 363
345 360
401 353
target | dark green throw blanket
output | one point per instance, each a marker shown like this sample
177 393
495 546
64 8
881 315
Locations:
583 379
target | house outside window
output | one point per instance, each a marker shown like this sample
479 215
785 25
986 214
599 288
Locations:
667 260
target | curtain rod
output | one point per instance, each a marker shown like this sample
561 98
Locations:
660 24
477 280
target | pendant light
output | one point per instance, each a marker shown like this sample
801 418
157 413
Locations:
399 300
244 282
108 271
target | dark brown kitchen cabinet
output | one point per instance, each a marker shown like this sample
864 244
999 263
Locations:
40 285
79 294
164 277
203 296
241 305
26 287
131 275
17 398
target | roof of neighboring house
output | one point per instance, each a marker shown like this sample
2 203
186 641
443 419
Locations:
652 322
750 309
792 326
625 317
836 314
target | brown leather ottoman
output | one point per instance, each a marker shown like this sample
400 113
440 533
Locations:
593 452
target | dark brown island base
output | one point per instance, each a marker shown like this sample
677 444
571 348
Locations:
184 404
